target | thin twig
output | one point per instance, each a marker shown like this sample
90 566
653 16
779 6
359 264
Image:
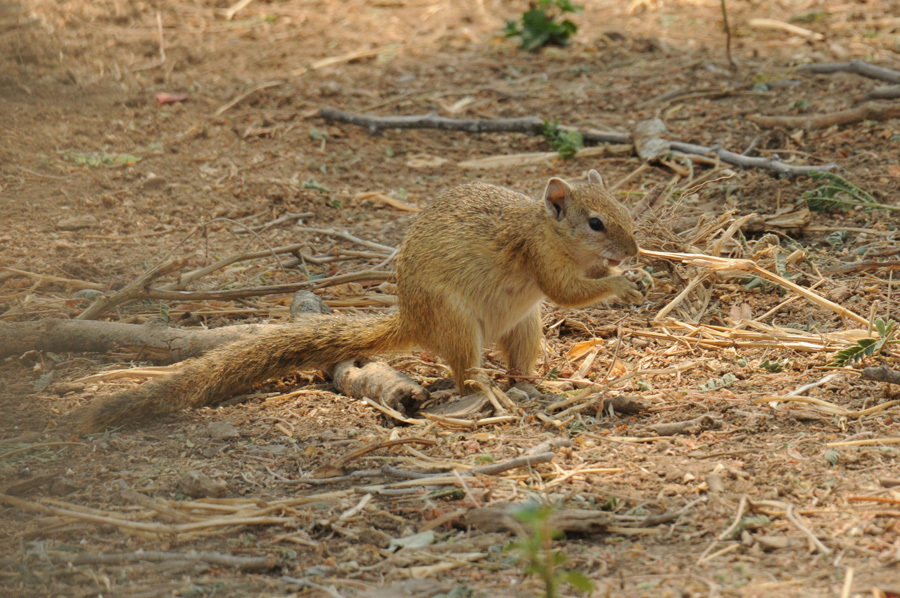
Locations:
244 563
132 291
246 95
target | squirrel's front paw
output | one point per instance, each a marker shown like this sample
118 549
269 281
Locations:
626 290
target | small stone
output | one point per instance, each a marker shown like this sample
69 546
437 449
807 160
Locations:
222 431
307 303
198 485
153 182
76 222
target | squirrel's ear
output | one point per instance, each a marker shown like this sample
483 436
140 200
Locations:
556 195
595 178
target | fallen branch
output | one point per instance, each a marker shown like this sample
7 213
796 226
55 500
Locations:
240 98
528 124
535 126
131 291
336 468
244 563
193 275
888 92
869 111
274 289
776 166
881 374
859 67
522 461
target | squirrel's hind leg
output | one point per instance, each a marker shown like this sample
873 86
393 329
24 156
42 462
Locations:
521 344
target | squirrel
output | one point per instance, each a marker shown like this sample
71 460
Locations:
472 270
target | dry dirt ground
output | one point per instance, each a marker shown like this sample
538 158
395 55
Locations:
100 180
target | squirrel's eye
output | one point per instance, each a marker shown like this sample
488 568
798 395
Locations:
596 224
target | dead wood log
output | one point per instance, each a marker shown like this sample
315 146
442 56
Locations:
378 380
153 342
869 111
859 67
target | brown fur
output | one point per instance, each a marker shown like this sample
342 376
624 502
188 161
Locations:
471 270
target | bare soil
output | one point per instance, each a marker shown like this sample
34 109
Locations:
99 180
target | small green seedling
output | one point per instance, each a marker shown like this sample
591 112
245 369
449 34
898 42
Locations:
865 347
837 193
539 27
539 557
565 143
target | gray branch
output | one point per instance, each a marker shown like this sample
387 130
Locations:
529 124
860 67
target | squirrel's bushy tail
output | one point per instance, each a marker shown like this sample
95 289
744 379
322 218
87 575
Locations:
235 368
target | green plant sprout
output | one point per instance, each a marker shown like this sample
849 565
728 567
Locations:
865 347
838 192
539 557
538 26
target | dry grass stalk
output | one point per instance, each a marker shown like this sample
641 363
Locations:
866 442
825 406
720 264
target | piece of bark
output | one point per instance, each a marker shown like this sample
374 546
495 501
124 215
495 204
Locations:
198 485
379 381
569 521
153 342
649 143
881 374
869 111
769 543
468 406
24 486
624 404
222 431
788 219
692 426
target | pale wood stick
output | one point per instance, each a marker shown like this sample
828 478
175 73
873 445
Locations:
719 263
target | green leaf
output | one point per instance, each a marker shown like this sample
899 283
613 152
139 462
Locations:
578 580
837 192
538 26
863 348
